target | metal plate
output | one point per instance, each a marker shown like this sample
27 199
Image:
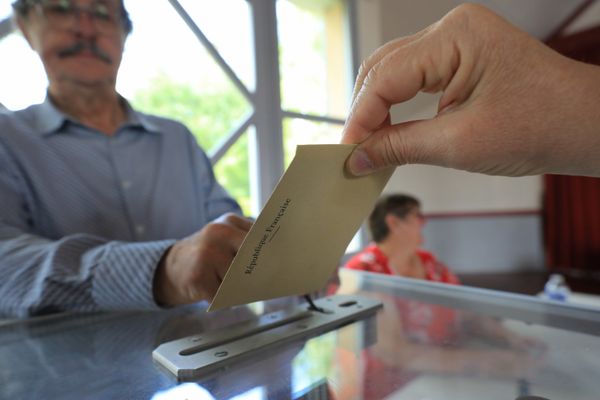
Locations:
202 354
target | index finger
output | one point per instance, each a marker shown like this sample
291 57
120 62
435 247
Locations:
394 78
237 221
379 54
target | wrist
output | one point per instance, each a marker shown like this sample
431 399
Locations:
575 148
588 160
161 285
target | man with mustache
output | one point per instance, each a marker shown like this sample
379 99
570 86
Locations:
103 207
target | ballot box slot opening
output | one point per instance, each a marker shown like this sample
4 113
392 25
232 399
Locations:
262 327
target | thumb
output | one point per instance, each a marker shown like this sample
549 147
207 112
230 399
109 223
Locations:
413 142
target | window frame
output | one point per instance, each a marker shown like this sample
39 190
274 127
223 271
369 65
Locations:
267 115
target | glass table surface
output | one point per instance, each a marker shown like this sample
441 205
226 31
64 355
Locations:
429 341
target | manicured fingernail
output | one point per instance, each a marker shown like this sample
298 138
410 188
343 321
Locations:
359 163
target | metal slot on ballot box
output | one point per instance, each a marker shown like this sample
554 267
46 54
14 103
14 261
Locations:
201 354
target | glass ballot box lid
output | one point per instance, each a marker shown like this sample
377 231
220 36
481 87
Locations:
428 341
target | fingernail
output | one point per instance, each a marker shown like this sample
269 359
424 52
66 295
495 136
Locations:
359 163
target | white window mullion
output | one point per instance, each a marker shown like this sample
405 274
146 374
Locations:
268 137
229 141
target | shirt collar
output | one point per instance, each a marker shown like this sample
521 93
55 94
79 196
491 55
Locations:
135 118
50 119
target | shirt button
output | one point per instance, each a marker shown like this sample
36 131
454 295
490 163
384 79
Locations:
140 229
126 184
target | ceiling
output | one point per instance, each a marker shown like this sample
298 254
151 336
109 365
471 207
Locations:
539 18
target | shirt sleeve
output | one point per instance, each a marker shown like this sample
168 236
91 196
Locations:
77 272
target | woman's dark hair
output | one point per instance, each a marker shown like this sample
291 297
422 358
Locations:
399 205
22 7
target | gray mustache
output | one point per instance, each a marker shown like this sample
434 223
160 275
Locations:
78 47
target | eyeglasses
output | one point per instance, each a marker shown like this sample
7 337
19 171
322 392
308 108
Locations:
415 212
63 14
420 217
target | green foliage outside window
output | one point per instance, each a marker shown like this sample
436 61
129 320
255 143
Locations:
210 112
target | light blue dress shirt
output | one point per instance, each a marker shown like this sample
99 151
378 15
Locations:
85 217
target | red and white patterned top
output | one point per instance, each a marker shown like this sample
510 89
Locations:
372 259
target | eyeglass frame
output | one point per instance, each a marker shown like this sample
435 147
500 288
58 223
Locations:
22 8
412 211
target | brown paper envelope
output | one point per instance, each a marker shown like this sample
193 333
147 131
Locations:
302 232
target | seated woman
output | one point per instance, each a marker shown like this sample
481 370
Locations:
396 225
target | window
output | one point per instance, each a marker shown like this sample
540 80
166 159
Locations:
250 78
316 71
22 76
171 72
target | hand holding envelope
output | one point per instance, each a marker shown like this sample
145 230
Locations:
299 237
193 268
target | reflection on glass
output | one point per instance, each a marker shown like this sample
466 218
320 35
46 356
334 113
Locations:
320 369
227 24
233 173
314 362
422 347
314 56
184 391
257 393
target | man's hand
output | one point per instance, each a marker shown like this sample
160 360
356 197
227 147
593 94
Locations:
194 267
510 105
